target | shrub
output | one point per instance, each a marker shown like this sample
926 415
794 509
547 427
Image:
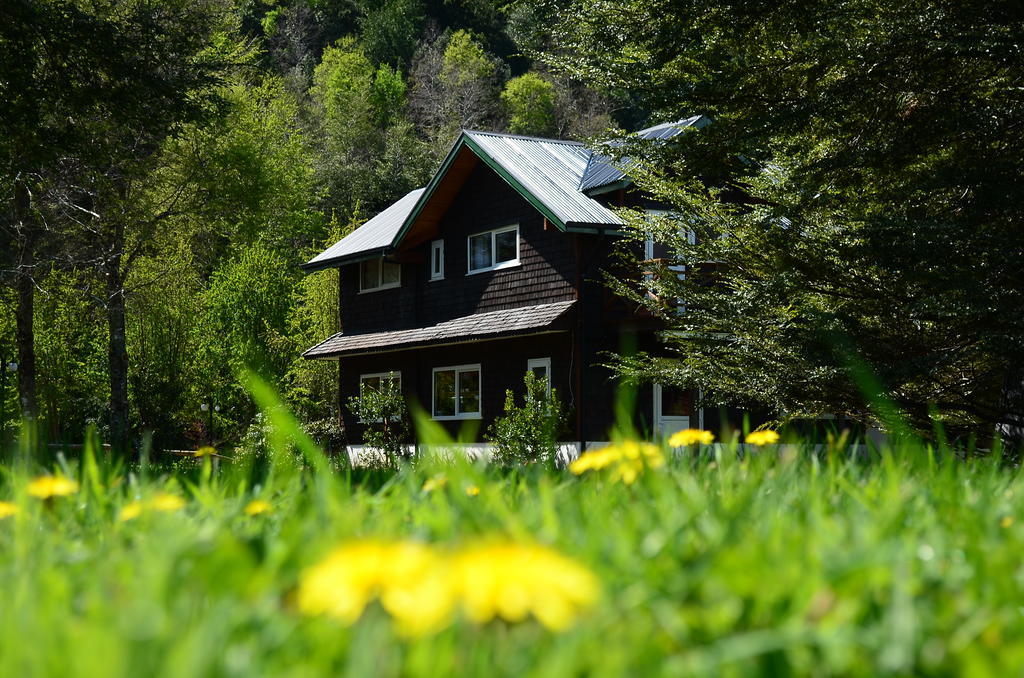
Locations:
386 419
528 434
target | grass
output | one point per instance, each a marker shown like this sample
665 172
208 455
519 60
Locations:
781 562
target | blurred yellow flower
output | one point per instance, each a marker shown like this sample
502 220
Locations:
164 501
8 509
408 578
472 491
691 436
626 460
1006 521
511 581
45 487
760 438
434 483
420 587
257 507
206 451
130 511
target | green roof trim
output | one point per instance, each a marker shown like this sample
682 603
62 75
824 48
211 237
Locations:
429 190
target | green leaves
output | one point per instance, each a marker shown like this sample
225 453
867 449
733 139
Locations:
852 190
530 100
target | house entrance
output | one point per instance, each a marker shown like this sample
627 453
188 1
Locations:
671 410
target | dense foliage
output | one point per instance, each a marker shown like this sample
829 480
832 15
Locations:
856 189
165 167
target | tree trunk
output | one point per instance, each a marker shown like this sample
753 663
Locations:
117 355
24 314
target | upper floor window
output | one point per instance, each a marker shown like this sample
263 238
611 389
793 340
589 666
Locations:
495 249
437 260
377 274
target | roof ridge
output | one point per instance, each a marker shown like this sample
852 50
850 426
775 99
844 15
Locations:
567 142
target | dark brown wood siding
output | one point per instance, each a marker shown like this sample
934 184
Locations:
485 202
502 366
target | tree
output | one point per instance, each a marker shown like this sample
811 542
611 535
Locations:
857 189
530 100
161 71
52 58
390 30
528 434
455 85
368 154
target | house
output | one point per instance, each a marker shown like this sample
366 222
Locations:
495 268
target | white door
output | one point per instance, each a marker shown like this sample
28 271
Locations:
671 410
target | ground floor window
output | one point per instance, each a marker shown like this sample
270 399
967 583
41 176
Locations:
373 383
541 368
456 392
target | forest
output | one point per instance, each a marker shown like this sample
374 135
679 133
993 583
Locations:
168 165
160 194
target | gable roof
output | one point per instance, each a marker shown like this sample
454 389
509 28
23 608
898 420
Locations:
550 171
557 177
603 173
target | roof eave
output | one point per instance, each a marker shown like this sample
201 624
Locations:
413 346
595 229
354 258
608 188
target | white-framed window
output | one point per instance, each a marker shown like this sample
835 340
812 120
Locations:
541 368
649 248
691 235
456 392
374 381
377 274
437 260
678 269
493 250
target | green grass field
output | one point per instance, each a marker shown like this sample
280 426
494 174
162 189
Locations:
780 562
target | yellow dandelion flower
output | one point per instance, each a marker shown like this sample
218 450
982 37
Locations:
165 501
472 491
691 436
258 507
8 509
46 487
626 460
206 451
434 483
408 578
130 511
760 438
595 460
512 581
1006 521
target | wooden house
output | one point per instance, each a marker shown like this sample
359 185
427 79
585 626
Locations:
495 268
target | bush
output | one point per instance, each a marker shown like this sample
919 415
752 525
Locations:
386 418
528 434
